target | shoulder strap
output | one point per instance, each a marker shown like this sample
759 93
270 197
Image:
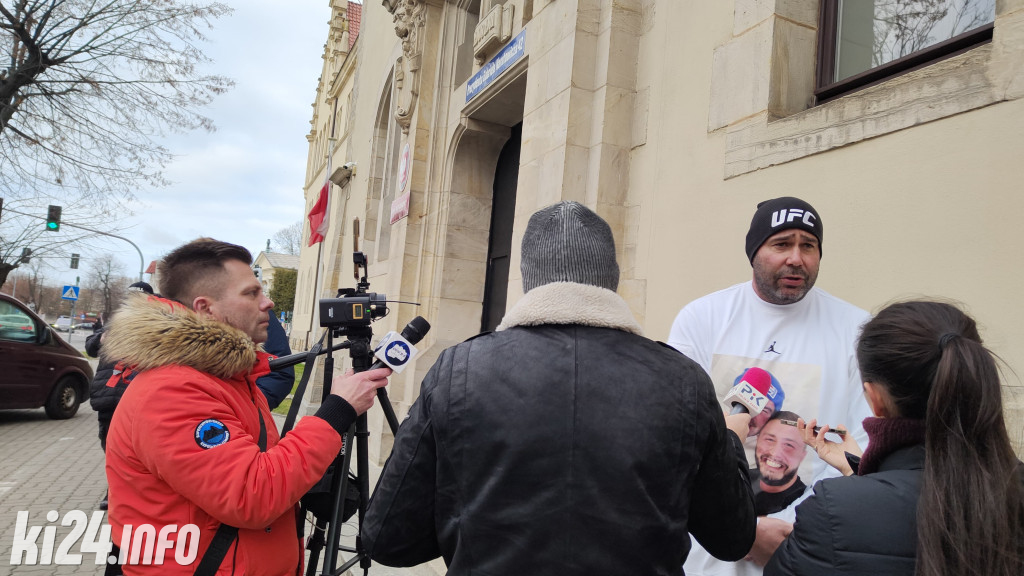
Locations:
226 534
300 390
218 549
262 440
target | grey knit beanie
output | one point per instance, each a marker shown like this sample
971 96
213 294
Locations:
568 242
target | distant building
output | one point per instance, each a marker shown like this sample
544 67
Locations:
267 264
154 274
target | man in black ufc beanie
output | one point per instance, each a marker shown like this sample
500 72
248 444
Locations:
789 230
774 216
780 322
531 447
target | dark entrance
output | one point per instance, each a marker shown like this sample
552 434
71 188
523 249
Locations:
499 249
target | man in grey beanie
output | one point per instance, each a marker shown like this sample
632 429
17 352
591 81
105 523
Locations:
563 443
780 322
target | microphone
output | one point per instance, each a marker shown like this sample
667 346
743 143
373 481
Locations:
750 395
393 347
396 350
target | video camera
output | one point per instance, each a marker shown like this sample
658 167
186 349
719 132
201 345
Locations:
353 307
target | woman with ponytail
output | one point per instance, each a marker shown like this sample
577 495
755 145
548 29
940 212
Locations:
939 491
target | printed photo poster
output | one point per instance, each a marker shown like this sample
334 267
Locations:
801 384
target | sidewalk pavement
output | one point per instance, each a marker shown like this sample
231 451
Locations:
48 465
58 465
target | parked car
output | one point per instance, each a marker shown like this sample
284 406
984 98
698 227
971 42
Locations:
39 367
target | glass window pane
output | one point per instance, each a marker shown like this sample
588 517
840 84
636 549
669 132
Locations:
15 324
876 32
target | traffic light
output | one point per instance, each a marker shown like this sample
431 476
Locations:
1 207
26 254
74 261
53 218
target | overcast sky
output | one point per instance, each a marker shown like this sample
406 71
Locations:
243 182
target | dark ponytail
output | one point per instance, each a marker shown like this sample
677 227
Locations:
929 357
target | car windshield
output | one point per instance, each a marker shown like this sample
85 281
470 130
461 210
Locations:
15 324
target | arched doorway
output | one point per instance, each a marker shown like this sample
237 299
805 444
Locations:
499 247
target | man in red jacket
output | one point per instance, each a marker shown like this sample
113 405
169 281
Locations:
192 448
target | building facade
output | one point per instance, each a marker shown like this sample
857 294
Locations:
444 124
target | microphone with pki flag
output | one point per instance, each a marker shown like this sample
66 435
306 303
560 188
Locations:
750 395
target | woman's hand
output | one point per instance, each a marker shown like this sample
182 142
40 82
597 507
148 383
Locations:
833 453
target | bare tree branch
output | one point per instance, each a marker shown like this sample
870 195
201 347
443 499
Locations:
902 27
106 282
289 240
91 86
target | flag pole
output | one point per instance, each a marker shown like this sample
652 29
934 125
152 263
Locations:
314 318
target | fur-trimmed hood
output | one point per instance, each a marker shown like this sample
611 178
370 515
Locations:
571 303
149 332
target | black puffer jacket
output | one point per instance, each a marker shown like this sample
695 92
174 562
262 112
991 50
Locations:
857 524
564 445
103 398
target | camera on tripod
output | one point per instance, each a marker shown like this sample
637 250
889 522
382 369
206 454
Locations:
340 494
353 307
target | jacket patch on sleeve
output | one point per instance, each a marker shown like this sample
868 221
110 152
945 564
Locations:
211 433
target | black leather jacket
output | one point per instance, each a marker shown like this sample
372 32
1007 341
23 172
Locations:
562 449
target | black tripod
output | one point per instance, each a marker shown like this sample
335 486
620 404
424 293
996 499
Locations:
333 501
361 354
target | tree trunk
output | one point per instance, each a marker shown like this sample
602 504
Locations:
5 269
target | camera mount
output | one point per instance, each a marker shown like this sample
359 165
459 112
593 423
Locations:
340 494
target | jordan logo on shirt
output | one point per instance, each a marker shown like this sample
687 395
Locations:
772 349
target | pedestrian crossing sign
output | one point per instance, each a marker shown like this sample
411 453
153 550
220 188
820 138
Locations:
70 293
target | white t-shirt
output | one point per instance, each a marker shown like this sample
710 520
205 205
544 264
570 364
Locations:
809 346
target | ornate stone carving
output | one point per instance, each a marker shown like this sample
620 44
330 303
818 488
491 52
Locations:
493 30
337 41
409 17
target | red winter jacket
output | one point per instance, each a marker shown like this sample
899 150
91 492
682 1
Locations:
182 446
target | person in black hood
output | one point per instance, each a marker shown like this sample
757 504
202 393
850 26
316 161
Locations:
109 382
564 443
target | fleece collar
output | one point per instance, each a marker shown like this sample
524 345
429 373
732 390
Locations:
150 332
571 303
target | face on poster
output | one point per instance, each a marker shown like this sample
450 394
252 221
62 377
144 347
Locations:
801 384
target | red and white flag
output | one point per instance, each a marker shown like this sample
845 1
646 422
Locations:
319 216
